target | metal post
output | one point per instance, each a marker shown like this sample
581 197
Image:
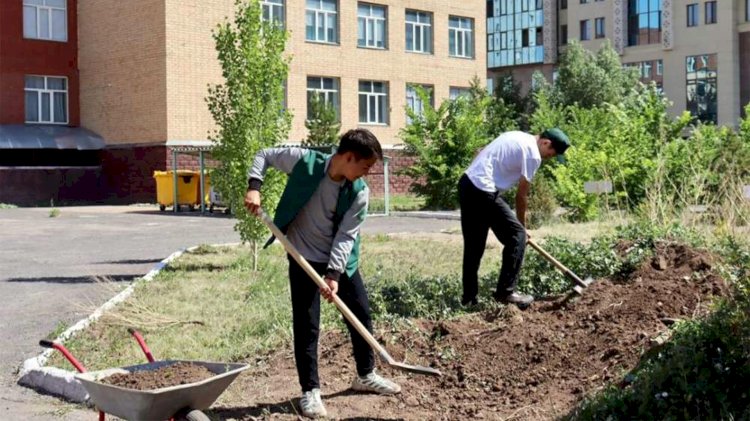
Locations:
203 183
386 183
175 206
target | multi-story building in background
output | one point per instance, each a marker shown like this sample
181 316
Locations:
129 77
697 51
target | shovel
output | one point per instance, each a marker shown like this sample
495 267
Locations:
350 317
580 284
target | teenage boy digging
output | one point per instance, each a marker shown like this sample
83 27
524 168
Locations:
321 211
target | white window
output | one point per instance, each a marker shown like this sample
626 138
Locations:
45 19
328 90
273 11
373 102
456 92
418 31
321 21
46 99
659 67
371 27
414 102
747 10
461 37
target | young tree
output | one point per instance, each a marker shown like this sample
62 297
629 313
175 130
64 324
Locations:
248 109
323 124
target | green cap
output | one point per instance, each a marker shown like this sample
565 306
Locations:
560 141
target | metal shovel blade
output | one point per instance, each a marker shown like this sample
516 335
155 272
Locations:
418 369
579 289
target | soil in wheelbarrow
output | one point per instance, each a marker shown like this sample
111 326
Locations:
172 375
501 364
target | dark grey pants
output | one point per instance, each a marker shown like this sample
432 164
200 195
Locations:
480 212
306 321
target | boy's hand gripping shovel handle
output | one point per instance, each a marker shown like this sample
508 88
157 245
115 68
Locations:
340 304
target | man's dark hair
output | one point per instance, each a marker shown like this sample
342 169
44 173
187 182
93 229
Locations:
362 143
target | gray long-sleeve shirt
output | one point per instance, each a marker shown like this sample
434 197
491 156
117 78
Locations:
311 232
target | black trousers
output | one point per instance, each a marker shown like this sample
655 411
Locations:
306 321
480 212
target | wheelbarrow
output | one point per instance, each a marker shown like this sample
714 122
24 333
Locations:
182 402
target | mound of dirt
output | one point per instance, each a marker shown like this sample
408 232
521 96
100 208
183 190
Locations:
533 364
172 375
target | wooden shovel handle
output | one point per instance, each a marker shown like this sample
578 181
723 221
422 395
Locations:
289 247
567 272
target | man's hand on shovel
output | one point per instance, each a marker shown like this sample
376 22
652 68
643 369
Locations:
331 290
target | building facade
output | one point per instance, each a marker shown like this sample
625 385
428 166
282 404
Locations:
141 69
698 51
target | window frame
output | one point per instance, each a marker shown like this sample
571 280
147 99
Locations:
693 18
710 10
584 30
273 7
603 33
318 14
423 28
412 96
49 9
377 97
459 90
463 34
372 20
637 33
51 92
330 96
707 79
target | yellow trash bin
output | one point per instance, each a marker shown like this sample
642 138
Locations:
187 188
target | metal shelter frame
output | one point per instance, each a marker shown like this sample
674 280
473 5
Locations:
190 147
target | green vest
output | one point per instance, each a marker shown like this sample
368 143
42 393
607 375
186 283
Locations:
302 183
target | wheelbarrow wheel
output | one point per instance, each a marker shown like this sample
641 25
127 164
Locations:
191 415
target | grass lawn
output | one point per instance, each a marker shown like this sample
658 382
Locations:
396 203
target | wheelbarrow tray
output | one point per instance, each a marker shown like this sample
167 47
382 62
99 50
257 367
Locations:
157 404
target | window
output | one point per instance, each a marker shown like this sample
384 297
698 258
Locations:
644 22
414 102
563 4
692 14
710 12
273 11
45 19
373 102
460 37
418 31
321 21
563 34
585 30
599 27
46 99
371 26
747 10
701 87
584 1
516 30
456 92
659 68
328 90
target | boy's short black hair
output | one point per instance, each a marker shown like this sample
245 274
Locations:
362 143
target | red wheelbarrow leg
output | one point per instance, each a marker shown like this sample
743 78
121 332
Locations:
81 369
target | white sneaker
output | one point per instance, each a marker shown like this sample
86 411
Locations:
375 383
312 405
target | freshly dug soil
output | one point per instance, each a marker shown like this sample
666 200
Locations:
504 364
172 375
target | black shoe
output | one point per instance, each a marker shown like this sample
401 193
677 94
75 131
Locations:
521 300
469 302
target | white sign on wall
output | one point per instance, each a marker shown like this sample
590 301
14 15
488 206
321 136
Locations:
597 187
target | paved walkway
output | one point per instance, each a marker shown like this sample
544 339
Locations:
50 266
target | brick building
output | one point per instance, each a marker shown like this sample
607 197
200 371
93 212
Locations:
137 78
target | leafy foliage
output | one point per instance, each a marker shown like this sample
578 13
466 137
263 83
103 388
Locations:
248 108
444 141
